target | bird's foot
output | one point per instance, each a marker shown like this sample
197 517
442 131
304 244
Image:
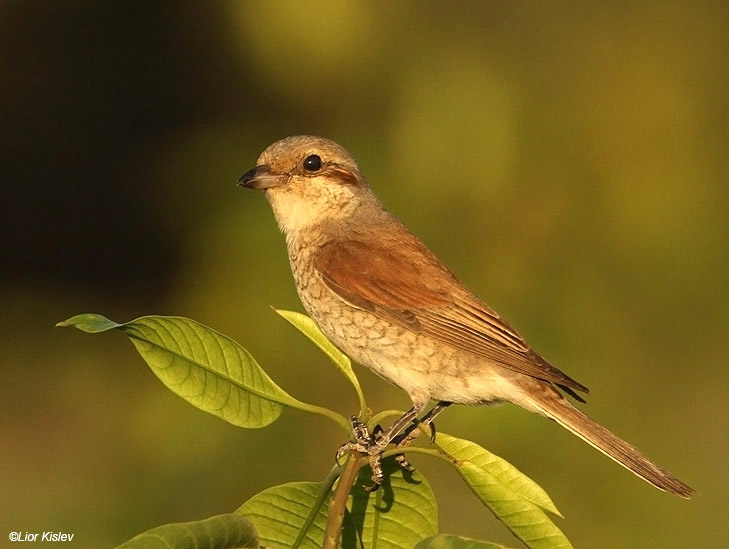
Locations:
406 439
363 442
374 444
371 445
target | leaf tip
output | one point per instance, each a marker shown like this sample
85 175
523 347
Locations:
88 322
281 312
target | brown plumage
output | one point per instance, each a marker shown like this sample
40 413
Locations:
380 295
398 278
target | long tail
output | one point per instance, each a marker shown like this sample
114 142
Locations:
569 417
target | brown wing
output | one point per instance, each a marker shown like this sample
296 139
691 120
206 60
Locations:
401 280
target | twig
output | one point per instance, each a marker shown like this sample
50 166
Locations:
338 503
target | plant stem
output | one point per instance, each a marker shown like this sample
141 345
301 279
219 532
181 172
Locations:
338 504
311 408
326 488
379 416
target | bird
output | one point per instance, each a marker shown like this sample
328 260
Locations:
381 296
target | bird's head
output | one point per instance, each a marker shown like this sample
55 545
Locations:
309 181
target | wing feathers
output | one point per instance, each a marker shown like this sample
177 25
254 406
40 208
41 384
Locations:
401 280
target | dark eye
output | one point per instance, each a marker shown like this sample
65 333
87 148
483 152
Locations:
312 163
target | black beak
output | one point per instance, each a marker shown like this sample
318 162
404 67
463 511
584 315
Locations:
259 178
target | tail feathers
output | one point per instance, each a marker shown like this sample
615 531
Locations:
596 435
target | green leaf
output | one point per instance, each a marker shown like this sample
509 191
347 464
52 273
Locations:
514 498
217 532
505 472
399 514
280 513
307 327
89 323
448 541
206 368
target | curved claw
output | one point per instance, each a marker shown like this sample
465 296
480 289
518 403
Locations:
432 432
378 474
404 463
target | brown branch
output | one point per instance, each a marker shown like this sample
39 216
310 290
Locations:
338 503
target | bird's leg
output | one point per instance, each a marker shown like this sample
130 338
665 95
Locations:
403 421
413 432
362 439
381 440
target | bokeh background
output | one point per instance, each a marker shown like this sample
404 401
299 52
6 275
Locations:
567 160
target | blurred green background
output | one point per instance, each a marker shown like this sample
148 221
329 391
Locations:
567 160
